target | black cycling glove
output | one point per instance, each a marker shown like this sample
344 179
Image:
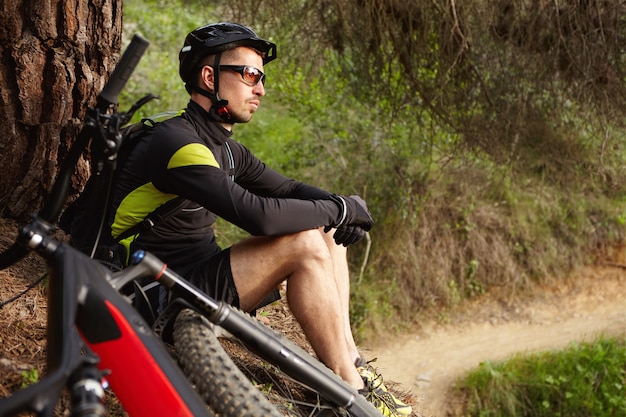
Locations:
349 234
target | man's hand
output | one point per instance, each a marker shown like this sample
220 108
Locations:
349 234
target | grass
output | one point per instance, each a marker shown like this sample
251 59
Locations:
586 379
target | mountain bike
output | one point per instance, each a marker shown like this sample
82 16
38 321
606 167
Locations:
92 331
95 335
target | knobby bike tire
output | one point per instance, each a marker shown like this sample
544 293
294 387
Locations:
223 386
288 396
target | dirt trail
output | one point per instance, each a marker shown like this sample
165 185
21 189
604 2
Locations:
428 362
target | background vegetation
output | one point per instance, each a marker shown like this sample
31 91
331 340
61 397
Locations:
487 137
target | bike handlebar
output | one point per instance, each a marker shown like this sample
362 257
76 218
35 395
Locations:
107 97
122 72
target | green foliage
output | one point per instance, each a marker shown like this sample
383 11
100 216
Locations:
478 171
275 137
586 379
164 24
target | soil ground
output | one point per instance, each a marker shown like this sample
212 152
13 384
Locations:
424 362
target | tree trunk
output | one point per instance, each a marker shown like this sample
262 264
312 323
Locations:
55 57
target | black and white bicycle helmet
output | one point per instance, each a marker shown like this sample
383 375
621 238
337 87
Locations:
213 39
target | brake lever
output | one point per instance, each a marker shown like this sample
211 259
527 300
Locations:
139 104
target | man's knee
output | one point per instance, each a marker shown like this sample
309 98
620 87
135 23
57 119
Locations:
310 245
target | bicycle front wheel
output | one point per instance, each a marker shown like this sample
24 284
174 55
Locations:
226 390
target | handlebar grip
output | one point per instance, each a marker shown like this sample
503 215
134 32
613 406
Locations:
122 72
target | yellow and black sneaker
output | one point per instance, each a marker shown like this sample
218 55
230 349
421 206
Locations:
376 392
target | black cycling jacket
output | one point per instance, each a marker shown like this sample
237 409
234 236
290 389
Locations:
193 156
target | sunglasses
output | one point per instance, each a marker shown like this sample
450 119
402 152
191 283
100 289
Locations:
250 75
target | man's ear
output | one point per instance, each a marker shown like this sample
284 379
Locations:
207 77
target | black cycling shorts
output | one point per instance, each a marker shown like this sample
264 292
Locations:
215 278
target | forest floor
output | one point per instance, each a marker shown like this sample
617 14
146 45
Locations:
423 362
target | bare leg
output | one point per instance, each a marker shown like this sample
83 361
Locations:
342 280
260 264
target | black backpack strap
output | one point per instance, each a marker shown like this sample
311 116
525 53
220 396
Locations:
157 216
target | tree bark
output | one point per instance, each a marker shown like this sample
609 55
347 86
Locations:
55 56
